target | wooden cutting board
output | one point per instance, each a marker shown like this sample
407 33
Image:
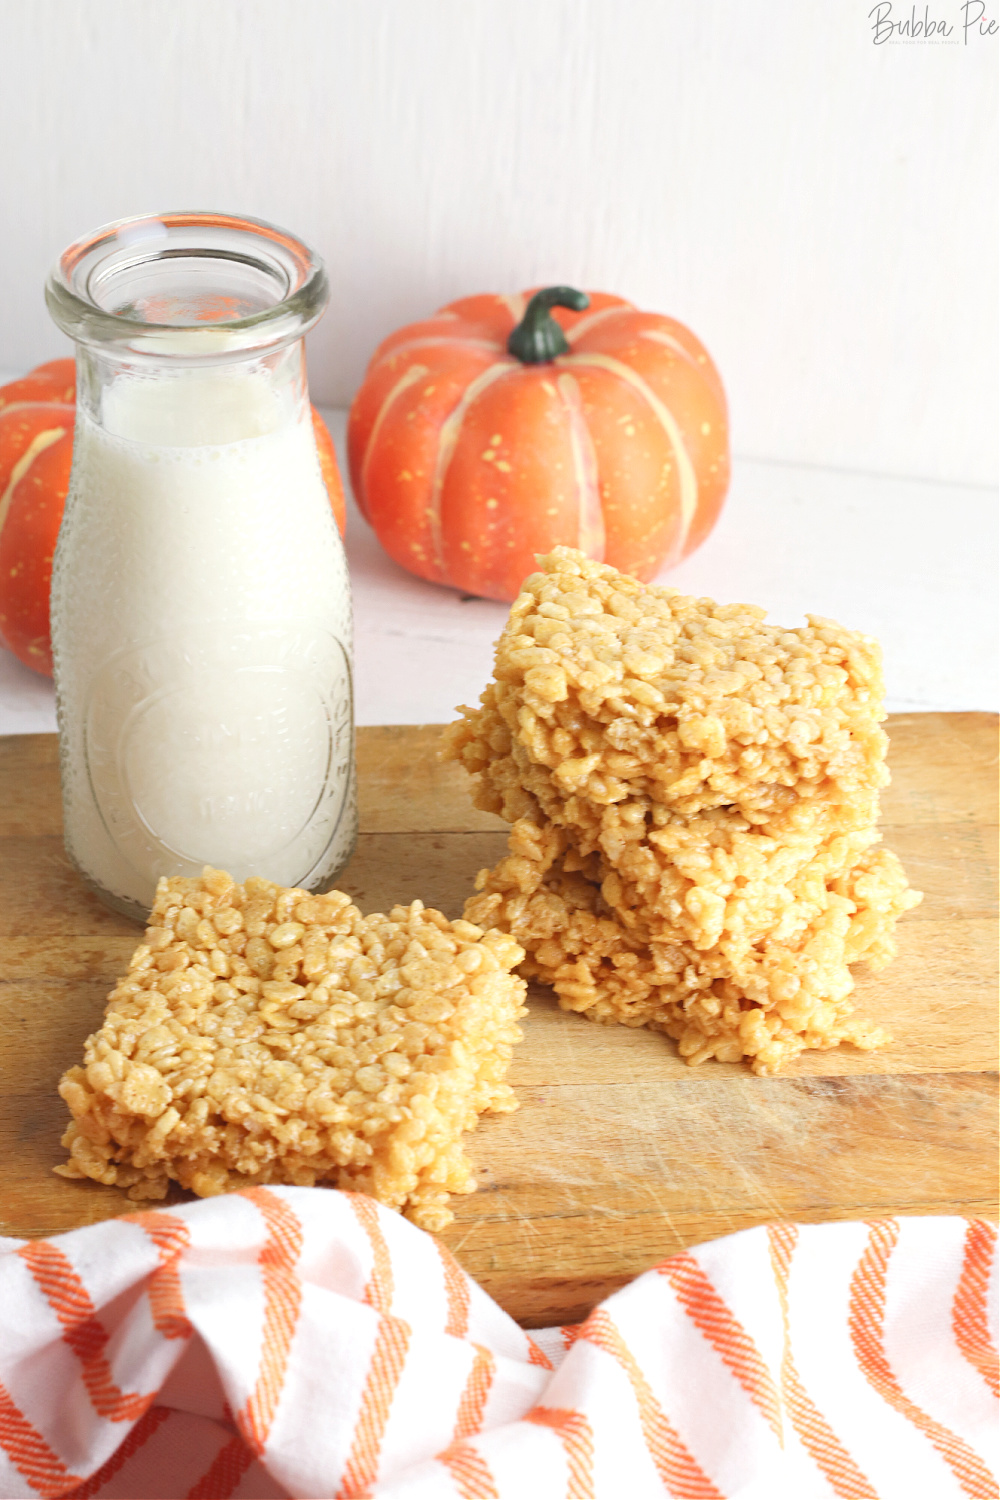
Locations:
620 1155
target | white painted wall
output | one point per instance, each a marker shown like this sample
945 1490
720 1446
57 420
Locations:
820 209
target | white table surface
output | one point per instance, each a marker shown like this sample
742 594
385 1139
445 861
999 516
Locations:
910 561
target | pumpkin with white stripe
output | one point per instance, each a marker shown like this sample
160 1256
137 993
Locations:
505 426
36 451
37 415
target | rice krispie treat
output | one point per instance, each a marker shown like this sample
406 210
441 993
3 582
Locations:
608 692
697 789
763 1002
265 1035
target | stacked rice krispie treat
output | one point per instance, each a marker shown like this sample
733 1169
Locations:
265 1035
694 796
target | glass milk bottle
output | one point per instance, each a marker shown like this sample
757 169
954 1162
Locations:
201 613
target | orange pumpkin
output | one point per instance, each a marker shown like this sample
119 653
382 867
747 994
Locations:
504 426
36 450
330 470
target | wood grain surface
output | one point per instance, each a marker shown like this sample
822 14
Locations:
620 1154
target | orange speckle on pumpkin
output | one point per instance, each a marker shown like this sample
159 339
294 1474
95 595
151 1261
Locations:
405 474
496 439
502 466
492 504
706 428
489 455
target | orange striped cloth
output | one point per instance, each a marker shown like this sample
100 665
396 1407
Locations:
298 1341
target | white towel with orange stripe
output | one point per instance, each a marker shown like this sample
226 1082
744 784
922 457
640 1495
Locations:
304 1342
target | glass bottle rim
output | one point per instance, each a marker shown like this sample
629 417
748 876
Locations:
85 287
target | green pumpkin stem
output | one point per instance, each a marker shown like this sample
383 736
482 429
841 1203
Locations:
538 337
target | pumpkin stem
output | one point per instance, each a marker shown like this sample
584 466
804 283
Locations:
538 337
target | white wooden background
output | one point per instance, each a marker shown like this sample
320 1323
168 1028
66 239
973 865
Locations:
821 210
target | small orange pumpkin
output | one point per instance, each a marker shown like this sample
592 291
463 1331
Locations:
330 470
504 426
36 451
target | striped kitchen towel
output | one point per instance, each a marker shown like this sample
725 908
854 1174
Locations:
304 1342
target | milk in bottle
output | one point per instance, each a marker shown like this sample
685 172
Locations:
201 611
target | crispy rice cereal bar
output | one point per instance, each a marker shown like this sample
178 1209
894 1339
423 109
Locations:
609 693
265 1035
765 1001
705 783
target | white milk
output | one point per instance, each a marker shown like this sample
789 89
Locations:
201 624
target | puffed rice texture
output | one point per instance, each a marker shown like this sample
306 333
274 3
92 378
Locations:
265 1035
694 796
